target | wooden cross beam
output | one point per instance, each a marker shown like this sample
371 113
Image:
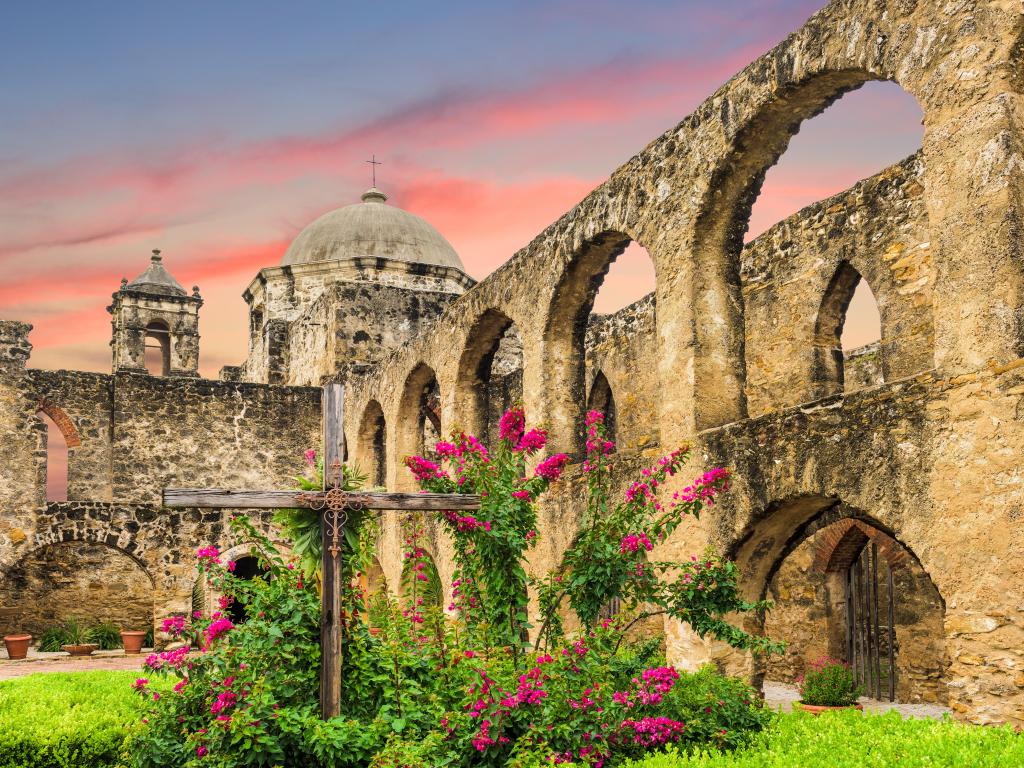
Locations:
334 502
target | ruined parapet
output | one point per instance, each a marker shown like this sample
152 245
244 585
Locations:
15 347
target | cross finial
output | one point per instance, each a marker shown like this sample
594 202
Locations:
374 162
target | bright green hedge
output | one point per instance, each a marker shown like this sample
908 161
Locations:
66 719
854 740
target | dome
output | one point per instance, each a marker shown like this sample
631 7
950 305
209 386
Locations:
157 280
371 228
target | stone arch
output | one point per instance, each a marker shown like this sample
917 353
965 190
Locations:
828 374
493 340
157 337
601 398
564 336
418 416
371 444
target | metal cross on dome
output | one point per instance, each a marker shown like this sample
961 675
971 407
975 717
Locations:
335 503
374 162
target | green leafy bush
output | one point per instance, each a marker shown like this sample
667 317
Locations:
107 635
829 683
66 720
854 740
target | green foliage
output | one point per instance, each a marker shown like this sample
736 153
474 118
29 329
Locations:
301 526
66 720
107 635
829 683
74 632
854 740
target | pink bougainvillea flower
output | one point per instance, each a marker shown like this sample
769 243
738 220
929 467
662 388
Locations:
551 468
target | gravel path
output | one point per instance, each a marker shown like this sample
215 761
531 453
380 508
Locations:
781 696
62 662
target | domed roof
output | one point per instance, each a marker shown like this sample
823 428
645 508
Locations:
157 280
371 228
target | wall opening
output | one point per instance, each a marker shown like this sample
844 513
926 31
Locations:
57 456
601 399
372 457
848 354
572 329
158 349
490 377
90 583
247 568
851 591
419 419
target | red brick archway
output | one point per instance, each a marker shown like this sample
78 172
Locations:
841 543
62 420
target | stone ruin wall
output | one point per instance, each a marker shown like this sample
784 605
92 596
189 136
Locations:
741 367
138 434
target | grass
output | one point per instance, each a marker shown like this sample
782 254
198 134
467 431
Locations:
854 740
66 719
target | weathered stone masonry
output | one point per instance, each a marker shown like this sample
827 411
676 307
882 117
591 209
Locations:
918 439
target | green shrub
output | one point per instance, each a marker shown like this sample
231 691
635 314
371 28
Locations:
854 740
66 720
51 640
107 635
829 683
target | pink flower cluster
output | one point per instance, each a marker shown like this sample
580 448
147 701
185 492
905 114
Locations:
706 487
174 626
219 626
466 523
551 468
424 469
174 659
653 731
511 425
311 457
532 441
633 542
209 555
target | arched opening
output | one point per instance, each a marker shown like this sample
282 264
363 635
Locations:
419 417
851 591
57 455
725 216
601 399
158 348
575 338
847 353
421 581
247 568
372 445
490 374
89 583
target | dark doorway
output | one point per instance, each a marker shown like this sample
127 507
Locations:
246 568
870 623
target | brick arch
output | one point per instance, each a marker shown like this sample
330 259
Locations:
841 543
60 417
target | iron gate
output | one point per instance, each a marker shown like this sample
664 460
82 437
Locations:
870 633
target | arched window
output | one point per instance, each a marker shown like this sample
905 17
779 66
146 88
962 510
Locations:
158 349
372 457
419 419
61 437
490 373
246 568
573 332
601 399
847 352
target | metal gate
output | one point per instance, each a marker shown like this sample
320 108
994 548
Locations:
870 634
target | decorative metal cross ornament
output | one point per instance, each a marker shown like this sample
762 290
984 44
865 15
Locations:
374 162
335 503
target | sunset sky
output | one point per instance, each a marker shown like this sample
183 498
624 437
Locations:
216 134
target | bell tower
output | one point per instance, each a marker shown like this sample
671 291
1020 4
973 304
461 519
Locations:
155 324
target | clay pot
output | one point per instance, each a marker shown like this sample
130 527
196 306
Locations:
132 639
17 645
83 649
817 709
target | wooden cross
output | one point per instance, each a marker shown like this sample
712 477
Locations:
334 502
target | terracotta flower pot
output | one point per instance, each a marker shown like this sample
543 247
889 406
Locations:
82 649
817 709
17 645
132 640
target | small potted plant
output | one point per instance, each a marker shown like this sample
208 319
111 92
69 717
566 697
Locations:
76 639
17 645
828 685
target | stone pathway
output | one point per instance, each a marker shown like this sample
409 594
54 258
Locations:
781 696
62 662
